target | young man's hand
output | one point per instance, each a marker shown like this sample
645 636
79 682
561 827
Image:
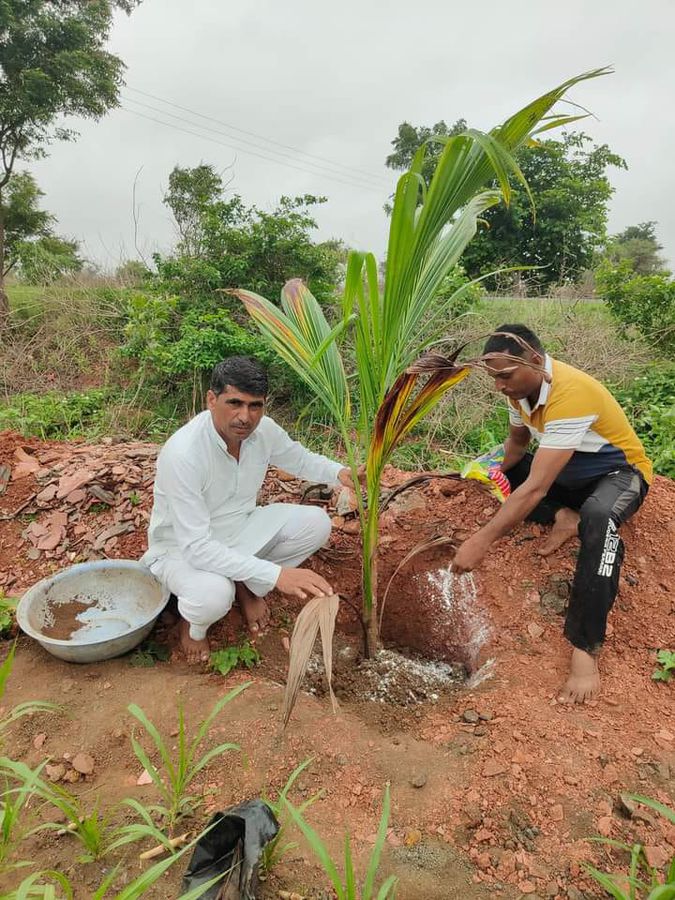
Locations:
302 583
470 554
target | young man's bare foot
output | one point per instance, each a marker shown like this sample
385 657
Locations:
254 609
195 651
565 527
583 682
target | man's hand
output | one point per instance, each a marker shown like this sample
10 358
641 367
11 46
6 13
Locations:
345 477
470 554
302 583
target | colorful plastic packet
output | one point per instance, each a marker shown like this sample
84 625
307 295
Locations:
487 469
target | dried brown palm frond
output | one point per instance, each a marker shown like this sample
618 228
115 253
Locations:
317 615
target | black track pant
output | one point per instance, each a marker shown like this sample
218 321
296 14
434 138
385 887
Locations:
603 506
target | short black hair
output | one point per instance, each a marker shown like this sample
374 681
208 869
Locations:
500 343
245 373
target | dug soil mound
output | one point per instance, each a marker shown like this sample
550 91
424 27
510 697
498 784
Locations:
495 786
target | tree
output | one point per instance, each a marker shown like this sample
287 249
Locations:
570 191
224 243
409 139
191 195
22 217
132 273
32 250
53 63
639 245
49 257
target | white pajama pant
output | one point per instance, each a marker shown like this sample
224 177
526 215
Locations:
205 597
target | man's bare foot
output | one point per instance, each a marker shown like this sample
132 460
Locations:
195 651
584 679
566 526
254 609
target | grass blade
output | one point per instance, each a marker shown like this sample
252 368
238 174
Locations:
374 862
209 755
350 878
156 737
150 768
387 889
319 849
208 721
661 808
607 883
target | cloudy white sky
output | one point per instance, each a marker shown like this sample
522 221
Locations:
303 96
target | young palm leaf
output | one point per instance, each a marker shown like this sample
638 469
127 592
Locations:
302 337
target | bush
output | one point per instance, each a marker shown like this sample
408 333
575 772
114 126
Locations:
649 402
645 302
53 415
169 337
465 299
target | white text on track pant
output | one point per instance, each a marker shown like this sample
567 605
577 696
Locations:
205 597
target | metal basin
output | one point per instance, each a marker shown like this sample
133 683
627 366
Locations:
122 600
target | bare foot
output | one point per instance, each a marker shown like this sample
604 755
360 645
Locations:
195 651
584 679
254 609
566 526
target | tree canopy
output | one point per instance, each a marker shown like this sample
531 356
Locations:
223 243
32 249
570 188
639 245
53 63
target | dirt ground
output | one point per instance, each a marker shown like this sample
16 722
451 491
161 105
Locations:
495 786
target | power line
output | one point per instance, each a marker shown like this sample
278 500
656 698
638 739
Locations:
261 155
349 170
270 153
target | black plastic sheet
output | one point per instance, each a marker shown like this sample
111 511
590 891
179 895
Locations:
233 845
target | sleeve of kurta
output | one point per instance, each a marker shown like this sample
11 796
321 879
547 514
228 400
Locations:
182 485
295 459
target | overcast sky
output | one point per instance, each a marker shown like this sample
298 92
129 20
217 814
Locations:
300 96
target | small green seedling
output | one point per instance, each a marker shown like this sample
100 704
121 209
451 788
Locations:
173 774
666 660
44 884
7 615
149 653
345 887
134 498
229 658
278 847
643 881
29 708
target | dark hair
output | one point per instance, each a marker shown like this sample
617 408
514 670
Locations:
499 343
245 373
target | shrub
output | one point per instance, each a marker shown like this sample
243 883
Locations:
645 302
170 337
461 292
649 402
53 415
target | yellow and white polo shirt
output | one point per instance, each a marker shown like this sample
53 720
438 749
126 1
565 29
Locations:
577 412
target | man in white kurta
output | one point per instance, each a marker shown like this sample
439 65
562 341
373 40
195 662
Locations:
208 541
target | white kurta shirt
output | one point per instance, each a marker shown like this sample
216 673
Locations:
205 500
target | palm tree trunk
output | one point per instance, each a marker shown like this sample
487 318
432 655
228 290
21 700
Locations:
370 560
